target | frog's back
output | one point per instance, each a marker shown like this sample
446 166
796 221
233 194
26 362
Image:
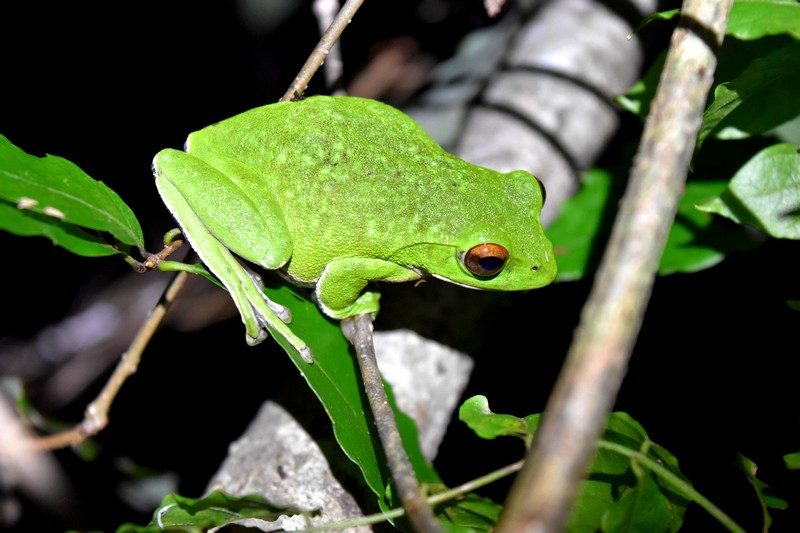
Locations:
360 176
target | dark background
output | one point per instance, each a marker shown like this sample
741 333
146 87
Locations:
107 86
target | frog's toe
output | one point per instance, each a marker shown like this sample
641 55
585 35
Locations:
258 339
281 311
306 354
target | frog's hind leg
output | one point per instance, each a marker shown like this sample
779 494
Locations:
243 215
256 310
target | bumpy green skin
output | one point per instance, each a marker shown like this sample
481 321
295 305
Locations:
339 191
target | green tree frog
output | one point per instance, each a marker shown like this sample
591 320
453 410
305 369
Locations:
336 192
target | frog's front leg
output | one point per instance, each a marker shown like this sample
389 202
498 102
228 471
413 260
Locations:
188 187
340 288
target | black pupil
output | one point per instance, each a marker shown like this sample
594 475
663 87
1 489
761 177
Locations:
491 264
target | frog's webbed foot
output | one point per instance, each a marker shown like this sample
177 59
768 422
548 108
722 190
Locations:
281 311
261 337
261 312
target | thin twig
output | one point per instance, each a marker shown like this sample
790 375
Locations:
96 415
153 260
321 51
359 331
541 497
449 494
325 12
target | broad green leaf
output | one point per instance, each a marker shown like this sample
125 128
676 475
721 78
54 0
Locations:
752 19
335 379
617 490
766 498
764 193
576 231
469 513
762 97
734 58
479 418
697 240
56 188
27 224
641 508
792 460
178 513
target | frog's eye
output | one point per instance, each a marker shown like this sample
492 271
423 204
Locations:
485 259
544 191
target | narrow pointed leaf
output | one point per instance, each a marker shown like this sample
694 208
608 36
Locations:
27 224
767 499
335 379
56 188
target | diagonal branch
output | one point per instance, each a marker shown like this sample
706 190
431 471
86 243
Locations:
358 330
321 51
541 497
96 415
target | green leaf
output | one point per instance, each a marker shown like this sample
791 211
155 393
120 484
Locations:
214 510
469 513
56 188
658 15
27 224
762 97
641 508
794 304
764 193
583 219
698 240
792 460
479 418
638 98
335 379
766 498
752 19
618 489
196 269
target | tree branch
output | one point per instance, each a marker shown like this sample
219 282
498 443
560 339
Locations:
541 497
96 415
359 331
321 51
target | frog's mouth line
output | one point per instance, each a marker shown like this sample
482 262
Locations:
448 280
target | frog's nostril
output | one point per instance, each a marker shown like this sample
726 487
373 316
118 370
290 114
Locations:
535 268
